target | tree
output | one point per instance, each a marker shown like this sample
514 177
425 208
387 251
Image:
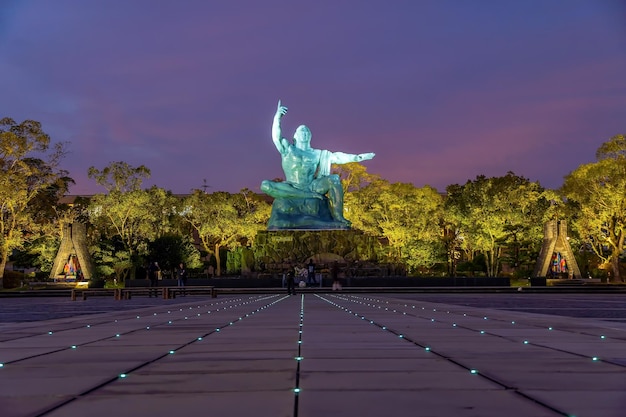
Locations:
598 191
409 218
361 191
354 176
223 220
405 216
127 212
111 258
491 213
28 168
172 249
119 176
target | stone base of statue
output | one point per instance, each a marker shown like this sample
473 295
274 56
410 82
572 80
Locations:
303 213
274 250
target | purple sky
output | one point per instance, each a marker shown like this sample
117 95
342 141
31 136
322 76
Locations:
441 90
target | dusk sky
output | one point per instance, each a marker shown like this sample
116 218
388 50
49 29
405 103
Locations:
440 90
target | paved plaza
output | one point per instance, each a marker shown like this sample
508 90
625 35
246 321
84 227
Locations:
333 354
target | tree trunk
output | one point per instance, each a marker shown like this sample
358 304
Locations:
490 260
218 270
132 272
615 268
4 255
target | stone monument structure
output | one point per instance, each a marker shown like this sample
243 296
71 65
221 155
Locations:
556 259
310 198
73 261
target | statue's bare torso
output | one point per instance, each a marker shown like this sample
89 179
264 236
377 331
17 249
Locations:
300 166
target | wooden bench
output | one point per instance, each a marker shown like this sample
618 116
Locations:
85 292
172 292
128 293
165 292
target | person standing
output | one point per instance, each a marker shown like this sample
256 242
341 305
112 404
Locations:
181 275
334 274
153 276
290 284
310 278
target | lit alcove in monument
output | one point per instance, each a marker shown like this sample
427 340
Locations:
72 270
558 265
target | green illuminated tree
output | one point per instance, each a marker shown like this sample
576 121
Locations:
124 216
128 213
223 220
172 249
28 169
489 214
409 218
361 191
598 191
405 216
354 176
119 177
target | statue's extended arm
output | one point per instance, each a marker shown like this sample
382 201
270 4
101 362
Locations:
344 158
280 143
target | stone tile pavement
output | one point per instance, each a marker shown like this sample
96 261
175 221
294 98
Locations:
337 354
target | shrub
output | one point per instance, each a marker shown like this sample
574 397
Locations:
96 283
13 279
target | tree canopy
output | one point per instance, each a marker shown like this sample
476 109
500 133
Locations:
492 213
598 190
224 220
28 170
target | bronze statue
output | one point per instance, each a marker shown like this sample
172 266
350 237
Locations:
309 190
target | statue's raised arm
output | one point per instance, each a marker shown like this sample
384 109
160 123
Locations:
280 142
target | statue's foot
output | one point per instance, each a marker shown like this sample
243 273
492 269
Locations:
344 223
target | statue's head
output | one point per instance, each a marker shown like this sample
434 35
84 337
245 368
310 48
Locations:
302 137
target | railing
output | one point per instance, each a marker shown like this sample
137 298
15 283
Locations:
128 293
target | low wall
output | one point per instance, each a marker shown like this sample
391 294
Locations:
428 282
276 282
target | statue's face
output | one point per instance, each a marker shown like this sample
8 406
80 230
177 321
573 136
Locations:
302 135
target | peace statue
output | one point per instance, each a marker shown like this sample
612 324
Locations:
310 197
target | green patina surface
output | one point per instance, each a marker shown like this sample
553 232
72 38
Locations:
310 197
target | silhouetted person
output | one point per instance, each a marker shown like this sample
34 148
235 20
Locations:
334 274
290 284
181 275
153 276
310 269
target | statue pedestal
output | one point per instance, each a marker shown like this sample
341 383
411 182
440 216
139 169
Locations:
274 250
303 213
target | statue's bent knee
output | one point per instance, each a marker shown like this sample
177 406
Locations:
334 178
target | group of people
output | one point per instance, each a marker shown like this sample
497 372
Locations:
153 274
306 274
291 278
